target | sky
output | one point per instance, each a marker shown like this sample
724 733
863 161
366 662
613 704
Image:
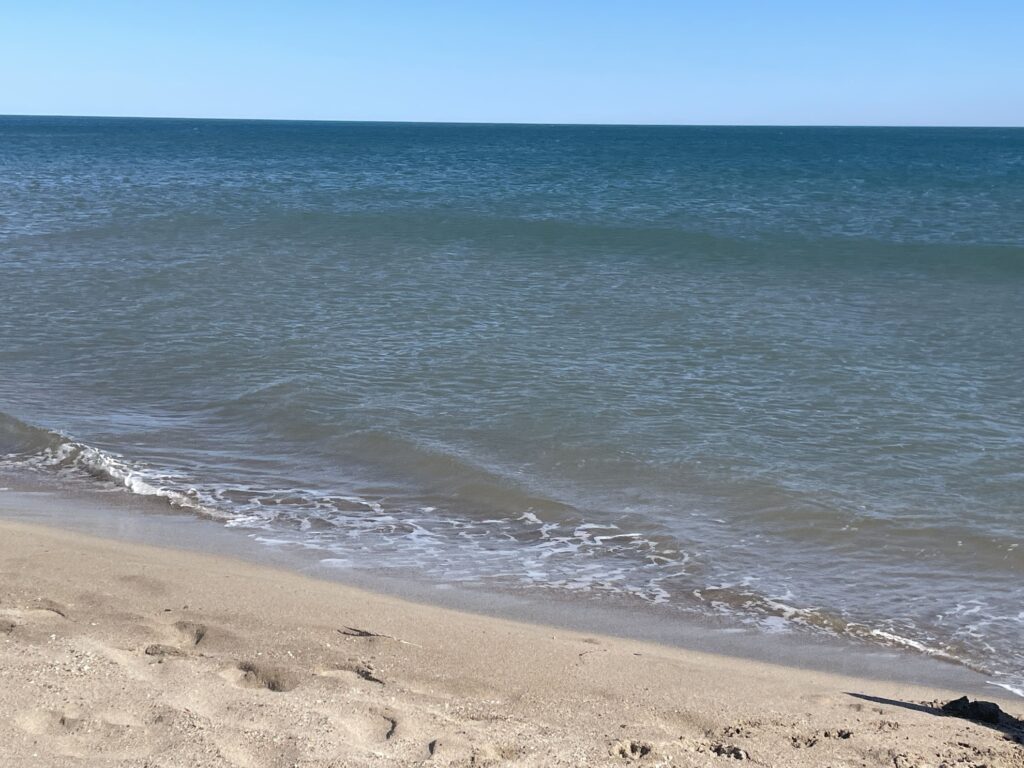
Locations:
770 62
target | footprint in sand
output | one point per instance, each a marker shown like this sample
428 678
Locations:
717 748
803 742
55 723
45 604
392 727
495 754
357 667
161 651
117 735
251 674
39 613
630 749
729 750
45 721
838 733
41 606
371 726
451 749
192 632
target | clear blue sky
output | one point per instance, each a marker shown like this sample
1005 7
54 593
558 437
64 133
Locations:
761 62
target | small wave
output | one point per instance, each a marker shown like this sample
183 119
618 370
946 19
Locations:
18 438
41 449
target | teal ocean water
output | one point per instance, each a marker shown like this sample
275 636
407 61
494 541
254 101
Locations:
774 376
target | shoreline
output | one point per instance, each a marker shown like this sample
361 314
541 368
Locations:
733 613
116 653
146 520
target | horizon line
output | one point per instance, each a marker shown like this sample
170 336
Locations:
516 123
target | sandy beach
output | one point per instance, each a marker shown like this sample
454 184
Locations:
117 654
543 385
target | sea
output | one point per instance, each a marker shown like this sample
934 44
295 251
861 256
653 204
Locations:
771 377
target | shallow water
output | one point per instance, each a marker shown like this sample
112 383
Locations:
770 374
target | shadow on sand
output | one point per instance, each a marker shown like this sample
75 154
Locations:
1011 727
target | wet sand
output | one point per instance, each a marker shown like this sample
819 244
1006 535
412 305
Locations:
123 654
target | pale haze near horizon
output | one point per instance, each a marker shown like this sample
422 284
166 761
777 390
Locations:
783 63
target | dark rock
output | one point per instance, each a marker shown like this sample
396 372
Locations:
981 711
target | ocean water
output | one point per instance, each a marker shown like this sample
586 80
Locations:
769 375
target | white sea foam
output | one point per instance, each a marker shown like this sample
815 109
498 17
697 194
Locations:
542 554
1017 689
907 642
68 454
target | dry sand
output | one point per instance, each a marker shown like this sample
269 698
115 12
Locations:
116 654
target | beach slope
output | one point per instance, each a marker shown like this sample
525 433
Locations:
118 654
